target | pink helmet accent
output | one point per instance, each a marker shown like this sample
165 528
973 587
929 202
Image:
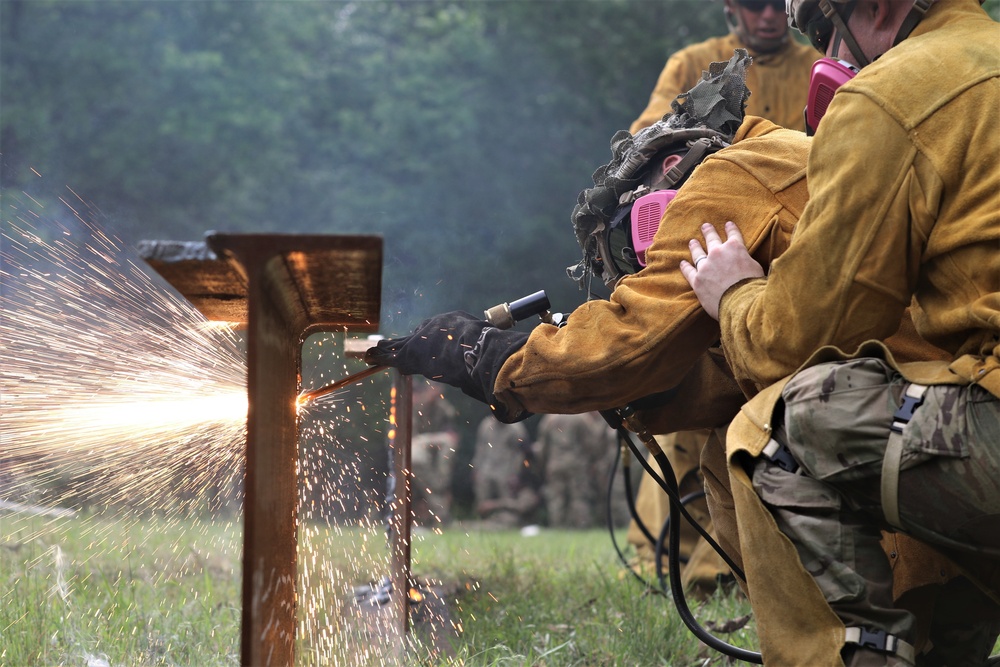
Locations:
646 214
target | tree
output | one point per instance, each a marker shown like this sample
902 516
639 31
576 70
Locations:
462 131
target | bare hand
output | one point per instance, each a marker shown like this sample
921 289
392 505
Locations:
718 266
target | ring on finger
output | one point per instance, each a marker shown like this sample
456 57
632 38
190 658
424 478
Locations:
699 260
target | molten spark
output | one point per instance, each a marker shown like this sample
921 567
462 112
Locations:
108 374
116 394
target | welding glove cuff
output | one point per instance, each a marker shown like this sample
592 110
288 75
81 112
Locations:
457 349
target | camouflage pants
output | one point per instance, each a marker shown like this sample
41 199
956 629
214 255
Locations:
834 420
569 497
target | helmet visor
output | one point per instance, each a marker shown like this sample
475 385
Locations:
615 249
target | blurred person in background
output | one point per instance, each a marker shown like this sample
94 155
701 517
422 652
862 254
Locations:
506 480
568 447
433 448
778 80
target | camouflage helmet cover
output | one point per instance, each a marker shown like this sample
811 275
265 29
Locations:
713 110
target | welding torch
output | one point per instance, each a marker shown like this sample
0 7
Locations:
355 348
501 316
307 397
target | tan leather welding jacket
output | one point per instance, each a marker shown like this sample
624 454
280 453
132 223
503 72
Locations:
778 82
653 334
904 179
905 200
653 330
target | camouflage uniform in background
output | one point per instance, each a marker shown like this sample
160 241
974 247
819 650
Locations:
433 452
607 447
505 481
568 447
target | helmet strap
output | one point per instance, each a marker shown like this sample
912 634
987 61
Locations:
915 16
676 171
840 23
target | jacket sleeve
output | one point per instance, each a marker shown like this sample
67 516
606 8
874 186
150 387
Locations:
652 331
839 283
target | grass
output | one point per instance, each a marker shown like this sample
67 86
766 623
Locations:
563 598
112 591
116 590
94 592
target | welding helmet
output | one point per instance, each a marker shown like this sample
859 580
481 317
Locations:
622 243
615 220
828 74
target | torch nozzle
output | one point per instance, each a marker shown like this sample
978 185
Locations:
307 397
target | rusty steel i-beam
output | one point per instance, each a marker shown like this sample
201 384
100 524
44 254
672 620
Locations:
281 288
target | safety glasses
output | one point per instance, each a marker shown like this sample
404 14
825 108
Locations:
819 31
757 6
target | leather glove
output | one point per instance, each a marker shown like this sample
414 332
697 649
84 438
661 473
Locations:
457 349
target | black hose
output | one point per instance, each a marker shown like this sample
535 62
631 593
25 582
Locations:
614 420
664 536
677 511
677 588
630 496
672 493
630 500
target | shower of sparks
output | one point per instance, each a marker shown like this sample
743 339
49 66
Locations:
107 374
122 423
122 435
336 555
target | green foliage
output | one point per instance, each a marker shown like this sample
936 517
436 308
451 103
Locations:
458 130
